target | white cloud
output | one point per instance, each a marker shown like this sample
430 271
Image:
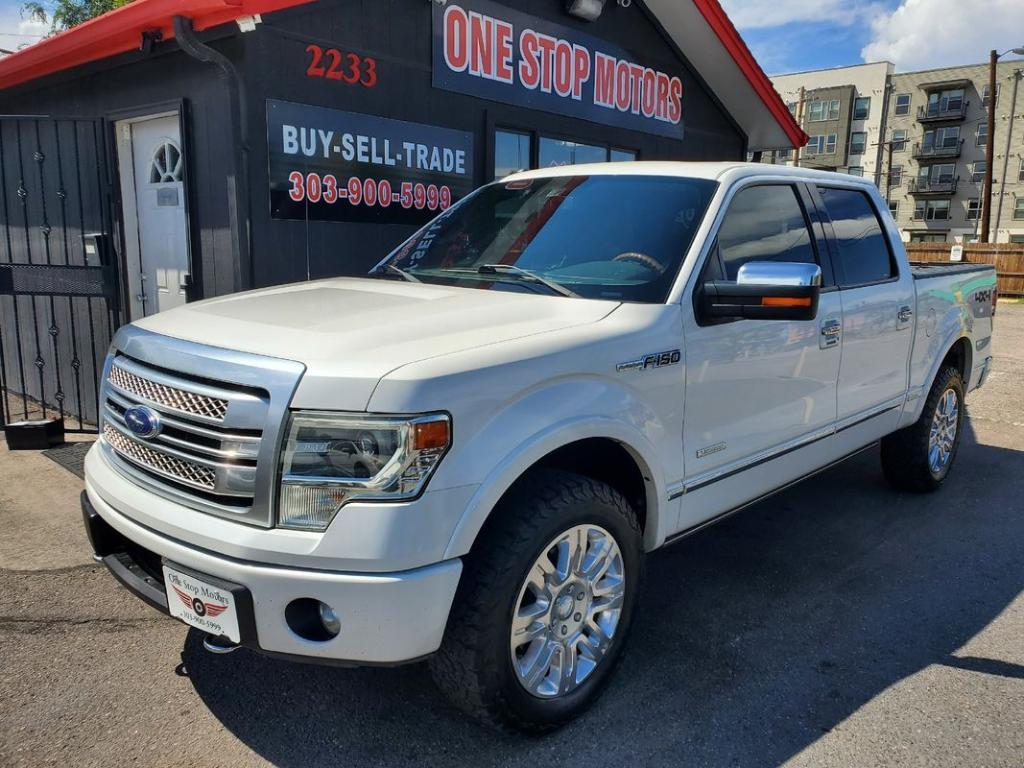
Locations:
759 14
922 34
16 31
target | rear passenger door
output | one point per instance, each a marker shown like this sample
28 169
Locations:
878 303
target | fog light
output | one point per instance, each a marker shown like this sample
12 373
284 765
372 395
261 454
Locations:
330 620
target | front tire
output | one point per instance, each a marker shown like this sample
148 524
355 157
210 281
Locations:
544 605
920 457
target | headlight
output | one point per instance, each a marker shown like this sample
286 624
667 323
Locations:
332 458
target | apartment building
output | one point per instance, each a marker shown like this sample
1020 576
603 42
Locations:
938 126
935 124
843 111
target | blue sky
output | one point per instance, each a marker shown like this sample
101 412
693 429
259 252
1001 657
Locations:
794 35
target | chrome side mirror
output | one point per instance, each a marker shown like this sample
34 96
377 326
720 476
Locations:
765 290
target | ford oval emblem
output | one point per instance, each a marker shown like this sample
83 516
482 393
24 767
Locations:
142 421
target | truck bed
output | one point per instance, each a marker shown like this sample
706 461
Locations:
922 270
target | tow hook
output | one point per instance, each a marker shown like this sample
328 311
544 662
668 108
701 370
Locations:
219 645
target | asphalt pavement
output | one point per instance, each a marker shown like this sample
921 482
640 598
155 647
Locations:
836 624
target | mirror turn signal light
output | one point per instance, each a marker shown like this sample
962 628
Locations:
785 301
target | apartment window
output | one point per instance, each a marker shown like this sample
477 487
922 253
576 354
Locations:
944 102
820 111
1018 209
973 209
894 207
1020 171
783 155
942 138
791 106
978 171
856 170
863 252
822 144
899 140
927 237
1017 239
986 95
858 142
902 104
981 135
942 173
896 176
830 144
936 210
862 108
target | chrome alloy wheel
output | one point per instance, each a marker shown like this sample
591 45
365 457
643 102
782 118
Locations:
942 437
567 611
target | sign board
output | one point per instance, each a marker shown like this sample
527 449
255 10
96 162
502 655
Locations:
956 253
329 165
489 51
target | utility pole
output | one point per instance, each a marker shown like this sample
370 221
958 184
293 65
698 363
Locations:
986 199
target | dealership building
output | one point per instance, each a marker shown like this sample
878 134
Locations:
174 150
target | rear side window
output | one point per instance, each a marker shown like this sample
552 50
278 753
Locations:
764 224
862 249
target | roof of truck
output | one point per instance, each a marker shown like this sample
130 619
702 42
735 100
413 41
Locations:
695 170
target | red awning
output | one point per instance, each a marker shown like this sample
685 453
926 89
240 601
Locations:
744 89
120 31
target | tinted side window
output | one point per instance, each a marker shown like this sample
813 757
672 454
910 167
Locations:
862 249
764 224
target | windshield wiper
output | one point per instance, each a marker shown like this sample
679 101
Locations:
512 269
393 270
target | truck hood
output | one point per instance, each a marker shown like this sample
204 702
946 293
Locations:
350 333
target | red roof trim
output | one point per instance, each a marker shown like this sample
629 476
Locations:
719 22
120 31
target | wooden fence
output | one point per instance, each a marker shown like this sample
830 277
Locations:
1007 259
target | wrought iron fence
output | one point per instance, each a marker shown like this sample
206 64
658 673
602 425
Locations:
59 295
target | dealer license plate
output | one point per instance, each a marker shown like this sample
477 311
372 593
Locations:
202 605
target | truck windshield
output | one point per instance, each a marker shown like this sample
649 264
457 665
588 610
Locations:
601 237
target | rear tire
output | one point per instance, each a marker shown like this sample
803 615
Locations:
920 457
522 572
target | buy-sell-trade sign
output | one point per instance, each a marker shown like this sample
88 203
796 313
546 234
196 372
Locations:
330 165
490 51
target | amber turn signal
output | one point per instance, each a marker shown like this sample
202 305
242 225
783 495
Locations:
785 301
431 434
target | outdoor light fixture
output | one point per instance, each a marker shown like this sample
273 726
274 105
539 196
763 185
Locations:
588 10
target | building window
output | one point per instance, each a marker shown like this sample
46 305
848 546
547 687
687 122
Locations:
981 135
856 170
902 104
927 237
858 142
791 106
1017 239
512 152
986 94
942 173
942 138
896 176
783 155
1020 171
932 210
862 108
556 152
899 140
622 155
830 144
894 207
820 111
1018 209
945 102
973 209
978 171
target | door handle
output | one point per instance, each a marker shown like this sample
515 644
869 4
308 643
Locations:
905 314
831 330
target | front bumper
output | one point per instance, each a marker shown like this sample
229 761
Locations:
386 618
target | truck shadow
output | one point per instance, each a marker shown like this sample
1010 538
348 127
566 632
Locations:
756 637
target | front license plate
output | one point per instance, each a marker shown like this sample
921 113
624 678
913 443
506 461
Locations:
202 605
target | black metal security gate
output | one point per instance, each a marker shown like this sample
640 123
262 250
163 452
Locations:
59 289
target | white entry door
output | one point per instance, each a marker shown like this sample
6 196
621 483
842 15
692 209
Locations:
158 168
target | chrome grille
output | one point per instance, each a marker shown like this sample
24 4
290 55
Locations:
182 470
176 399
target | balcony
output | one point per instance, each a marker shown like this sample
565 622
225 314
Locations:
925 187
931 152
937 113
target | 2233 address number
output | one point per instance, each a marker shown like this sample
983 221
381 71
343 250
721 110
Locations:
370 192
349 68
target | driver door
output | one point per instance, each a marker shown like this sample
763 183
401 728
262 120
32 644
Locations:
756 389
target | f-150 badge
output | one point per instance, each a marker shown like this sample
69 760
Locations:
657 360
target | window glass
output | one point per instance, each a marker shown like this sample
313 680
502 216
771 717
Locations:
511 152
617 237
894 207
978 171
623 155
554 152
860 243
764 224
899 140
902 104
1018 209
896 176
973 209
982 134
858 142
856 170
862 108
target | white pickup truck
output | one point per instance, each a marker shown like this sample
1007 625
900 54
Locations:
465 455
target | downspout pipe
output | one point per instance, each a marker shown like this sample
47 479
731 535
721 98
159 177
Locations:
194 47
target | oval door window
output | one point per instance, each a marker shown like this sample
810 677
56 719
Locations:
166 164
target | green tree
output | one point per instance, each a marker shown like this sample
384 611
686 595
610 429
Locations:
65 14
